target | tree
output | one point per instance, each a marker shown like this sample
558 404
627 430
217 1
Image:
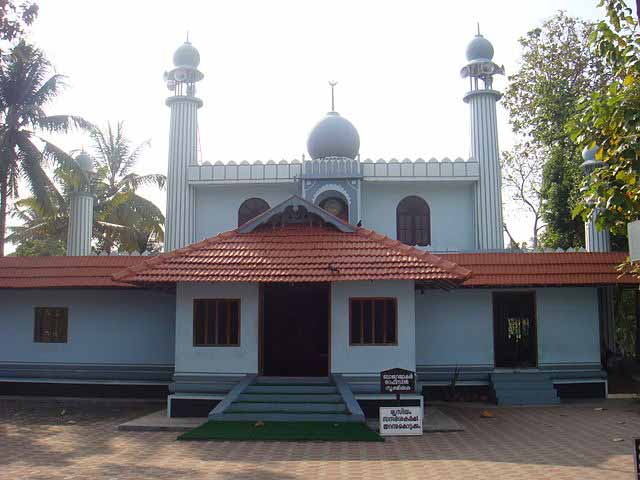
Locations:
123 220
522 181
15 17
126 221
25 89
557 67
610 118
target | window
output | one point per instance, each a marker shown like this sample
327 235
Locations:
336 206
373 321
216 323
50 325
413 221
250 209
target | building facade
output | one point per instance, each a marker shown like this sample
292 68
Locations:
331 267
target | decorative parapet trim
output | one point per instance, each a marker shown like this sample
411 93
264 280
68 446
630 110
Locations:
458 169
291 171
245 172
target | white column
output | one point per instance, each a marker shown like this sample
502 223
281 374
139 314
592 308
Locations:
595 240
183 138
80 224
484 148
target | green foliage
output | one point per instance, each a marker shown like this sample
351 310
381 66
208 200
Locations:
610 118
561 177
41 248
15 17
625 320
557 67
123 220
26 88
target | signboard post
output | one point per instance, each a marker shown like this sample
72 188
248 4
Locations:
399 420
397 380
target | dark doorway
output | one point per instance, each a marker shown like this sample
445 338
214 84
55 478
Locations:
514 327
295 330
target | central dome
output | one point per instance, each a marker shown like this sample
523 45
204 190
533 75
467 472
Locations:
333 136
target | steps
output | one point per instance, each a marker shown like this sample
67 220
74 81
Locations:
519 388
287 399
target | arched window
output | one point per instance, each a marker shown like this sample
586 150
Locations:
336 206
251 208
413 221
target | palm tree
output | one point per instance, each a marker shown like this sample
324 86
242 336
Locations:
25 89
126 220
123 220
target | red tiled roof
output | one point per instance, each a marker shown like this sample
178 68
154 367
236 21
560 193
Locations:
52 272
533 269
295 253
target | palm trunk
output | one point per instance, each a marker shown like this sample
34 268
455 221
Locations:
3 213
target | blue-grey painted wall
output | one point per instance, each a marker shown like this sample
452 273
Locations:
217 205
456 327
105 326
452 207
568 326
350 359
224 360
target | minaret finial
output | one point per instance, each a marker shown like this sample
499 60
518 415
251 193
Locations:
478 23
188 35
332 84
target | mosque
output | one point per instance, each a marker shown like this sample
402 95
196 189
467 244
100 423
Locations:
311 277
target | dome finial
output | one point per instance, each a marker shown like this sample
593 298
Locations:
478 34
190 42
332 84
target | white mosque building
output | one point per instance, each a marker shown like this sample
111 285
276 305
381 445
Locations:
310 278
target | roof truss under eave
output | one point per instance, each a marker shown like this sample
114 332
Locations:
296 202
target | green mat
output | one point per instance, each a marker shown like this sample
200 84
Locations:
283 431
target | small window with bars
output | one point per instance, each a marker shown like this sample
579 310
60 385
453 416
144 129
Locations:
50 325
216 323
373 321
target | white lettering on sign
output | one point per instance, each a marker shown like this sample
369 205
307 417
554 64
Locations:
400 421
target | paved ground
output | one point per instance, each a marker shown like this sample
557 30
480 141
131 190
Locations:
41 441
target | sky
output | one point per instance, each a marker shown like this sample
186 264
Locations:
267 64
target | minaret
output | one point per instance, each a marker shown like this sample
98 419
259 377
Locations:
81 211
595 240
183 145
482 99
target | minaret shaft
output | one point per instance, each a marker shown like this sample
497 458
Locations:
80 224
183 138
484 148
595 240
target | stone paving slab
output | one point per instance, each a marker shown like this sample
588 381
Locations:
41 442
434 421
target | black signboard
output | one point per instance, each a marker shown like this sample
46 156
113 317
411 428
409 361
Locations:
397 380
636 454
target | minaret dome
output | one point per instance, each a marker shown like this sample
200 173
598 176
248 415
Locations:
186 56
479 50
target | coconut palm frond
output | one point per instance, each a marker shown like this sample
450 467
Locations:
63 123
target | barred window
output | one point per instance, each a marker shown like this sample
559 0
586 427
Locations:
216 323
413 221
373 321
250 209
50 325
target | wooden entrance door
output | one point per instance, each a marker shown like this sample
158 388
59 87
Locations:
294 326
514 327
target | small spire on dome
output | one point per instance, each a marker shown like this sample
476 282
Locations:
332 84
478 34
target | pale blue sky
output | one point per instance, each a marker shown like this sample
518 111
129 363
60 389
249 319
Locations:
266 67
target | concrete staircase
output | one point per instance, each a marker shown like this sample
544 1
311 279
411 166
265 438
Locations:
289 399
524 388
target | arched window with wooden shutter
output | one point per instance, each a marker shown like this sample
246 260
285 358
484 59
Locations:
250 209
413 221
